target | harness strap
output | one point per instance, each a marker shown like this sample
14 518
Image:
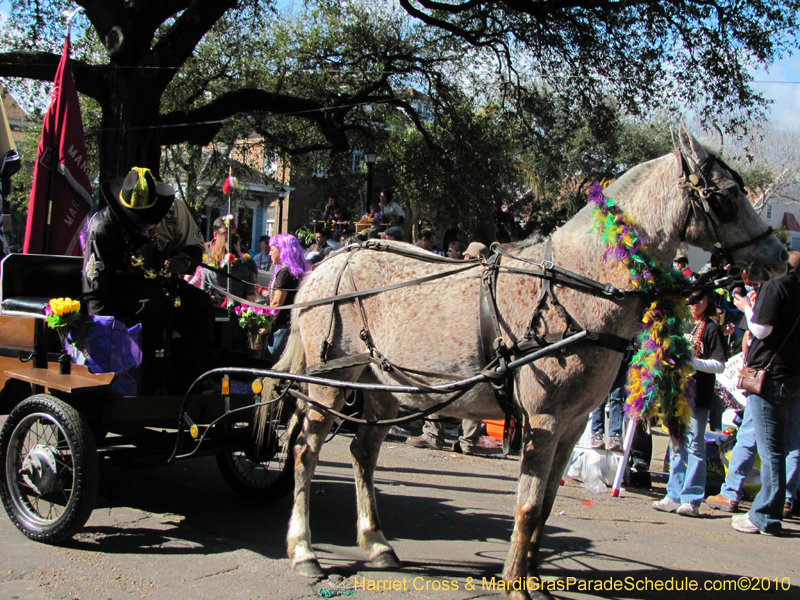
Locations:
362 293
549 296
326 344
487 309
755 240
480 378
321 408
609 341
565 277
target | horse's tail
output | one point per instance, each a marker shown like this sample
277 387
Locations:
293 360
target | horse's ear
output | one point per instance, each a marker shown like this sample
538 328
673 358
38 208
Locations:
691 147
676 143
676 140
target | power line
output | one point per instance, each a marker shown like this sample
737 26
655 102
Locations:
765 81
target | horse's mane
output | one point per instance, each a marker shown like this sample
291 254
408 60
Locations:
532 240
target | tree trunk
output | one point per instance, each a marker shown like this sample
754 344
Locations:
129 134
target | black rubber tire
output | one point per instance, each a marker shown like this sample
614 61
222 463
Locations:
266 481
44 426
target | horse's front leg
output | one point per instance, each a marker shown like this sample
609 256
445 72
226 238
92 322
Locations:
538 448
365 449
563 453
306 455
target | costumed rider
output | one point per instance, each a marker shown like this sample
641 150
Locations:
138 248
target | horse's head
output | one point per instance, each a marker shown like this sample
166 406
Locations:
719 217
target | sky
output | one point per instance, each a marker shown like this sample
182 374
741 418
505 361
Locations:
781 83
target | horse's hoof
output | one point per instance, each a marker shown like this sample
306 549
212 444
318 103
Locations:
386 560
309 568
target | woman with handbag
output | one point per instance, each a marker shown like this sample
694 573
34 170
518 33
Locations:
687 469
772 376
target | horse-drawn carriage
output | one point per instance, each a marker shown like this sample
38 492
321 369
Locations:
543 331
63 420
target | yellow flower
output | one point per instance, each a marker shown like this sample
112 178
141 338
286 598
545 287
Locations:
64 306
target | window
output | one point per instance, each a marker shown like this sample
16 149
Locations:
769 211
357 163
320 167
270 221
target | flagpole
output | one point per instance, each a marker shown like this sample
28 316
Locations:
228 249
54 156
51 187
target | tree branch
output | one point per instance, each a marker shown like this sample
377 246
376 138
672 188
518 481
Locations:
177 45
412 114
200 125
309 148
42 66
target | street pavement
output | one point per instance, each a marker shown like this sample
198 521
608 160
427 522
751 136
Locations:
178 532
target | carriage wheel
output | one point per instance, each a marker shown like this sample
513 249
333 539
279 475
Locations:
265 478
51 475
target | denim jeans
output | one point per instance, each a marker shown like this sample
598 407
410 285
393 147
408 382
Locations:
279 338
616 402
770 411
744 455
687 466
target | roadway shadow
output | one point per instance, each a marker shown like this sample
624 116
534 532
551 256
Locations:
187 508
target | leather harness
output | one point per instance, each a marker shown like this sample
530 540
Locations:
501 360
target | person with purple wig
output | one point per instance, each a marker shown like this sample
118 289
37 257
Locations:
291 266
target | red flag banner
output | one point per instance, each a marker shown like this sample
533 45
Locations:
60 175
231 183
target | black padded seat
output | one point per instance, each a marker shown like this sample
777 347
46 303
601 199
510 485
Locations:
29 281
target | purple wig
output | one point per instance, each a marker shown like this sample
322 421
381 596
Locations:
292 254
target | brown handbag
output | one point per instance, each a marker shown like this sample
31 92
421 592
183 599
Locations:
750 379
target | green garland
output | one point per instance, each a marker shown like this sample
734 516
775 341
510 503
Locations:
660 378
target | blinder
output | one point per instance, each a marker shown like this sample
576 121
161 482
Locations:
717 205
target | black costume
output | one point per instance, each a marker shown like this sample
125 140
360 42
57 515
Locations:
712 347
124 277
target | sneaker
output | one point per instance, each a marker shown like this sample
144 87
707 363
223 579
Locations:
423 441
687 509
722 503
743 524
787 510
615 443
597 442
666 504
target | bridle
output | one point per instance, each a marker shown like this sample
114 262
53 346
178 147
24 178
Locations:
706 199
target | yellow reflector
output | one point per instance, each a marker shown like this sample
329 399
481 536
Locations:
194 431
226 385
256 386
